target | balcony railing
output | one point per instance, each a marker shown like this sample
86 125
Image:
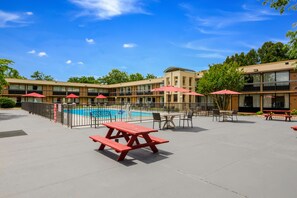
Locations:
12 91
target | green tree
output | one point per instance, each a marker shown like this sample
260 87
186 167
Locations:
272 52
292 44
252 57
219 77
281 5
84 79
136 77
115 76
7 72
150 76
37 75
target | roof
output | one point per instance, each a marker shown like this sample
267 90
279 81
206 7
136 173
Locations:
171 69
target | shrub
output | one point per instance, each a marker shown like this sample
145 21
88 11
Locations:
259 113
6 103
294 112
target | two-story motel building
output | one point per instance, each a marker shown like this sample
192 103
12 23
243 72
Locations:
269 86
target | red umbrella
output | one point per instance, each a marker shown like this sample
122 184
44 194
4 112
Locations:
72 96
225 92
192 93
170 88
100 96
34 95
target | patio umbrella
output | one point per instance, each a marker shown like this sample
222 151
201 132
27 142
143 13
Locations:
100 96
170 88
72 96
225 93
34 95
192 93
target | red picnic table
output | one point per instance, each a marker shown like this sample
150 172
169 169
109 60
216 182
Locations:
136 137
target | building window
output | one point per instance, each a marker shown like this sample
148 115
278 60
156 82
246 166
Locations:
34 88
59 88
168 81
277 101
175 80
174 97
73 89
184 81
276 81
190 81
92 90
17 87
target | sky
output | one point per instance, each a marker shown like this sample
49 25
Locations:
73 38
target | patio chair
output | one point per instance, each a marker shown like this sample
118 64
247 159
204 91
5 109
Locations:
187 117
157 118
234 114
216 114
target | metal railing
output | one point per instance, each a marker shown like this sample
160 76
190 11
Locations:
74 115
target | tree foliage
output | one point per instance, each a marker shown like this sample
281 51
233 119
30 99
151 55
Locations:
115 76
84 79
150 76
37 75
219 77
267 53
7 72
281 5
135 77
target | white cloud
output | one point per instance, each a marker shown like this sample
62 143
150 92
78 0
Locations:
41 54
90 41
129 45
222 19
29 13
106 9
80 63
8 18
32 52
68 62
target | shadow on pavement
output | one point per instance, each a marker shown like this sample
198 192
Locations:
6 116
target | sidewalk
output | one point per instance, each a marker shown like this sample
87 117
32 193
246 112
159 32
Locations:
249 158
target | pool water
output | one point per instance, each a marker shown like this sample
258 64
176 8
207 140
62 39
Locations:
113 112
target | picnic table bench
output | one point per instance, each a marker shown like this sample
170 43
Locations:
270 114
136 137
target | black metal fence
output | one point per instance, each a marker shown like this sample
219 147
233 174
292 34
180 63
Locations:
51 111
74 115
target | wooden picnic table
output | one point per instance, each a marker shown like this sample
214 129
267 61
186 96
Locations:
135 136
269 114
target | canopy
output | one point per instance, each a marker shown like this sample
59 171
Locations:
225 92
170 88
34 95
72 96
192 93
100 96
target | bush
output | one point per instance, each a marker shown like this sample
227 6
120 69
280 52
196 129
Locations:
294 112
6 103
259 113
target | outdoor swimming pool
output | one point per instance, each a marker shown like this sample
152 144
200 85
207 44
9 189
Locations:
113 112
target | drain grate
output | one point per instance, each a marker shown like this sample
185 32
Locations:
4 134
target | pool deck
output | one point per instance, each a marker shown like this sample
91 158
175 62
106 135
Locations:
249 158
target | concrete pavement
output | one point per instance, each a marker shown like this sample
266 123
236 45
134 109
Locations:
249 158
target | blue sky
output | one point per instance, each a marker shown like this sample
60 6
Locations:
65 38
